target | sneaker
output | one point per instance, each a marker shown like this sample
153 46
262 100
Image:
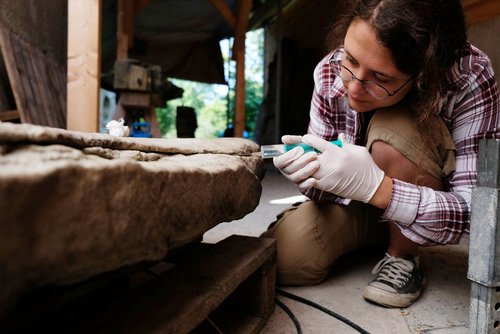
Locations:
398 282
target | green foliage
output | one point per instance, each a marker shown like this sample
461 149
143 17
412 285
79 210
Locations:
211 102
253 100
209 105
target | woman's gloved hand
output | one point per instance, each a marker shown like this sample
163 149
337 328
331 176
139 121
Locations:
349 172
294 164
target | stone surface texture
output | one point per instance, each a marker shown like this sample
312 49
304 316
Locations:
74 205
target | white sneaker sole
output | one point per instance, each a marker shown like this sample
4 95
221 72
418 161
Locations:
389 299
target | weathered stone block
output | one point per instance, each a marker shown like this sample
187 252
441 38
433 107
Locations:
74 205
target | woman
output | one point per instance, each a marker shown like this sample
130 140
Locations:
411 98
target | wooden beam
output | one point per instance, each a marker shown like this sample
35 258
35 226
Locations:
84 59
477 11
9 115
225 11
244 7
268 12
124 28
37 82
239 113
127 10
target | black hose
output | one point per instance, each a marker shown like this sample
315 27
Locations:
321 308
290 314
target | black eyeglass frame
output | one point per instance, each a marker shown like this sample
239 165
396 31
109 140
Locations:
337 68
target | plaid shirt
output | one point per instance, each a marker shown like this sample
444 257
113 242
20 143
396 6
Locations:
471 111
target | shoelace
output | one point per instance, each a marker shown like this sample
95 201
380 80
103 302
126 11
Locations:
394 270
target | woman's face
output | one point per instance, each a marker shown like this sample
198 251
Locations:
367 59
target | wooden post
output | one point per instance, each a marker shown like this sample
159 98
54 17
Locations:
239 113
239 55
127 10
240 25
84 59
124 28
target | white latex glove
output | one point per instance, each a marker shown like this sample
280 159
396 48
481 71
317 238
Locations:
294 164
349 171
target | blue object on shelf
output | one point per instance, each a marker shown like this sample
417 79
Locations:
141 129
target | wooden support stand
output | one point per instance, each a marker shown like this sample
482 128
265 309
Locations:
226 287
145 102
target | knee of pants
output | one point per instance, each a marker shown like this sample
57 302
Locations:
429 148
310 238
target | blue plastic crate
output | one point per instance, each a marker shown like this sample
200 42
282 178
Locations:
141 129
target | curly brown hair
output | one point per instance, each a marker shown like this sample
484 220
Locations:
424 37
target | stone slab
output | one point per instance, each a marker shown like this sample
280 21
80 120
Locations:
19 133
74 205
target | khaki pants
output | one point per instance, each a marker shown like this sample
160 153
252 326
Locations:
311 236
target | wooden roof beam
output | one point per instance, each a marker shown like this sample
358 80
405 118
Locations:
225 11
269 11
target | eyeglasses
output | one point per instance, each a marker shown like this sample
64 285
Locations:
374 89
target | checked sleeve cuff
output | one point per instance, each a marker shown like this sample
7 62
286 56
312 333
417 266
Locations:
403 206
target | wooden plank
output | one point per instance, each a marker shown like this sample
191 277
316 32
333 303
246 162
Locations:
36 98
239 270
178 301
36 82
84 53
41 303
9 115
13 73
25 87
56 83
135 99
45 86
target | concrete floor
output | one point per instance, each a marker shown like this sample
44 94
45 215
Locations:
443 307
